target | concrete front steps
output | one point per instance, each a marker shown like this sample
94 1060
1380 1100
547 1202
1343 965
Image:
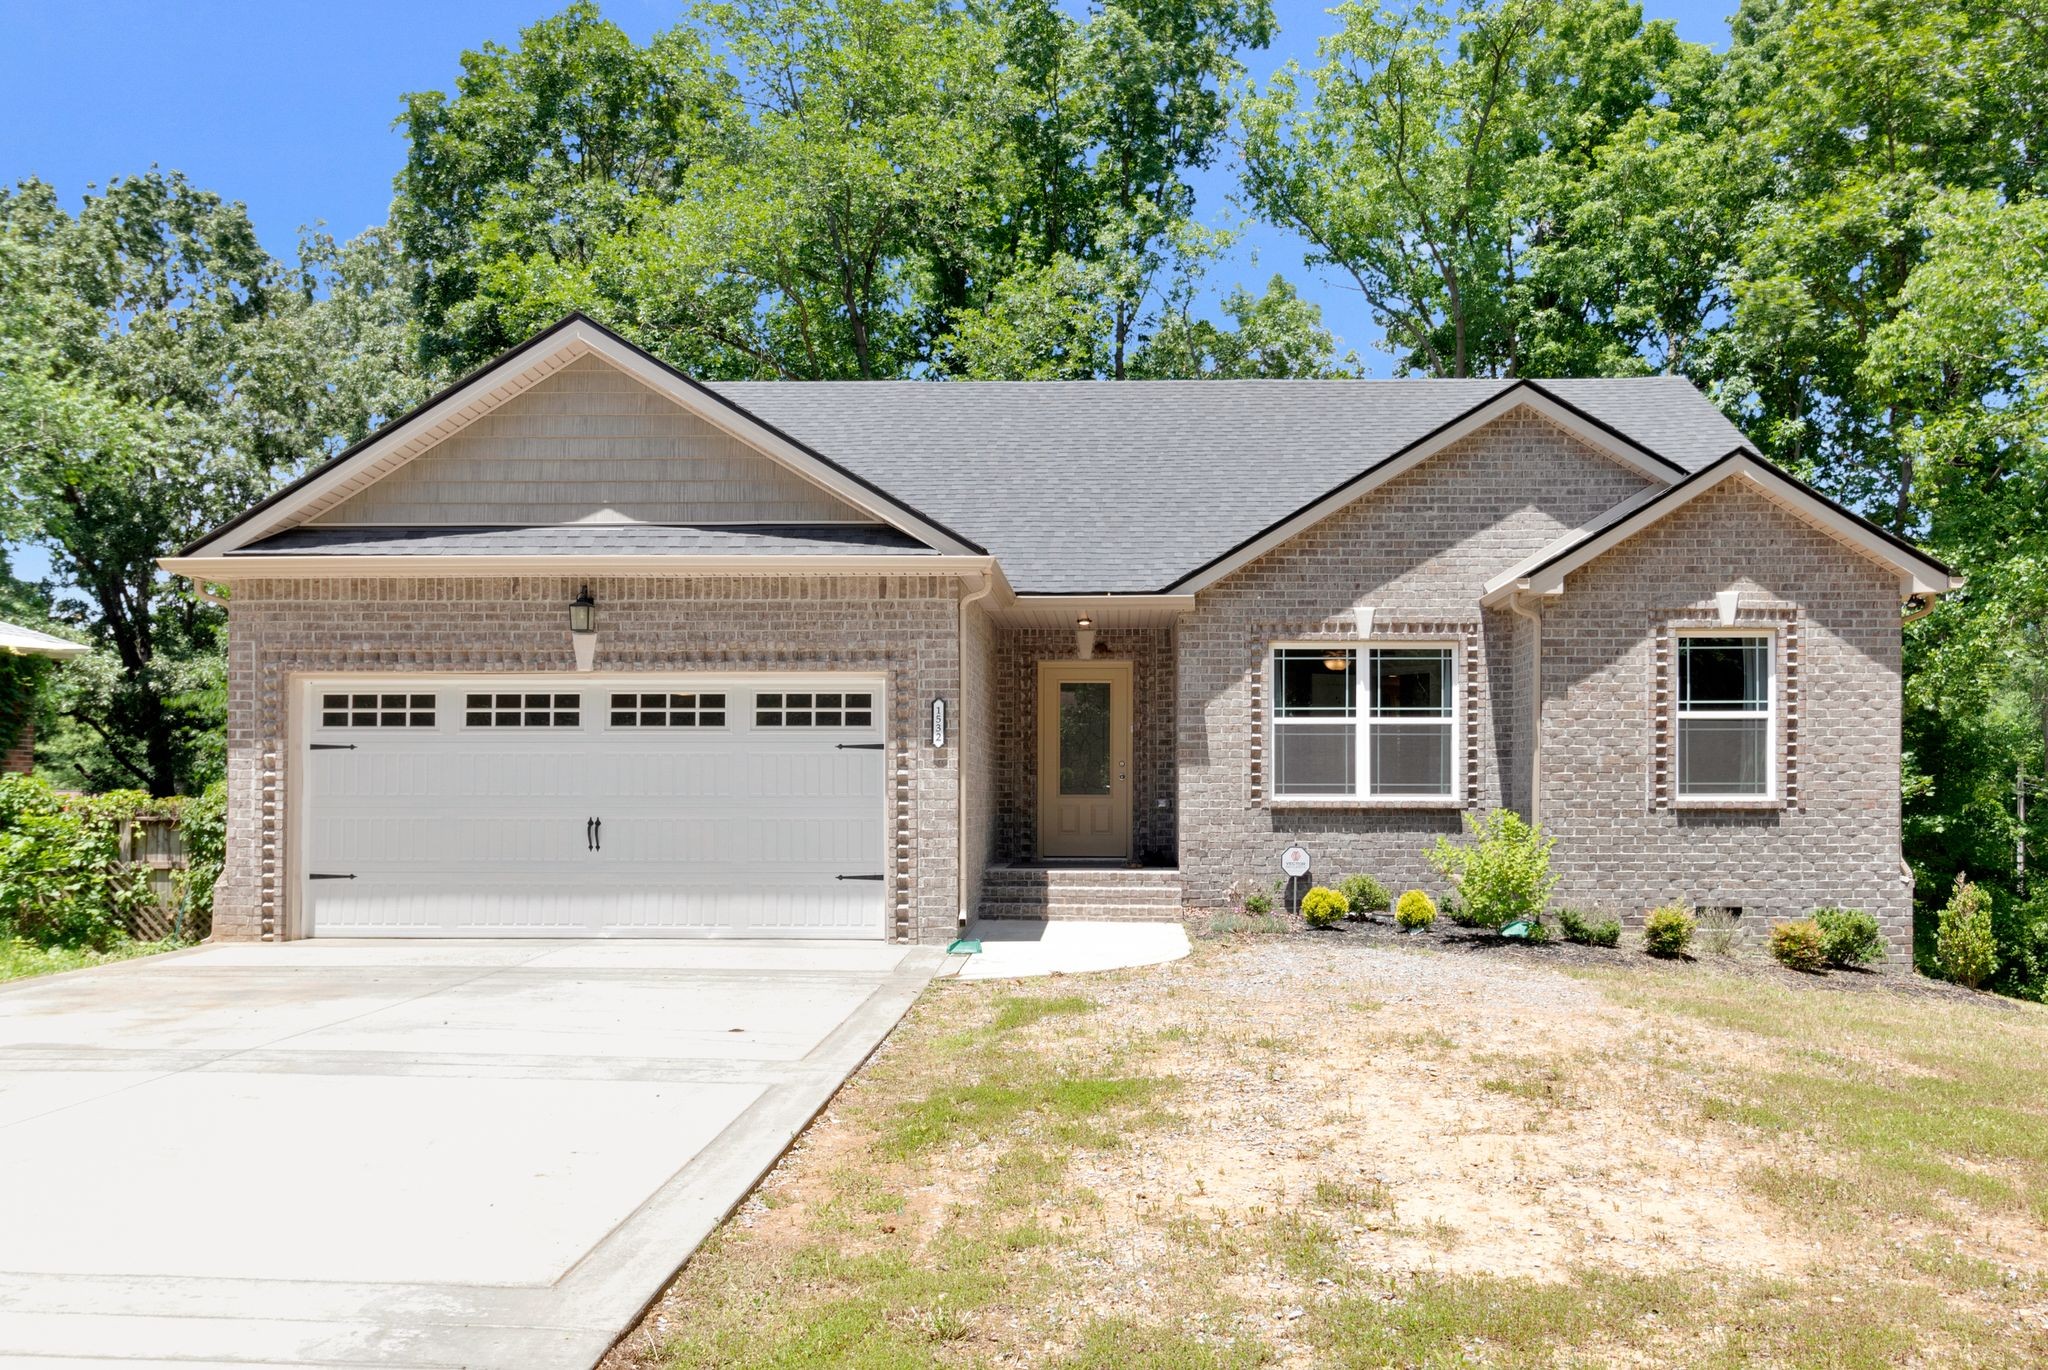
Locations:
1100 893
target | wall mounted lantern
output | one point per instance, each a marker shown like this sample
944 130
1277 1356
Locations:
583 629
1084 637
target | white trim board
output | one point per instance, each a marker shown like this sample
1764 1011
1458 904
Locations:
1545 573
471 399
224 570
1522 395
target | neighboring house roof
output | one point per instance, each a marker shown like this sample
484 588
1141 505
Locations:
637 539
19 641
1132 486
1544 571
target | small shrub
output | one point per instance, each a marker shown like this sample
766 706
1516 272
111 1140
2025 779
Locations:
1258 901
1537 933
1460 916
1799 945
1414 912
1668 930
1364 894
1963 944
1849 937
1503 874
1589 932
1323 907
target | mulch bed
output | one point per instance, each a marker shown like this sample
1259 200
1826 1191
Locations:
1378 930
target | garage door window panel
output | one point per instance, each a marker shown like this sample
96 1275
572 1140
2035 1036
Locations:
522 709
642 709
382 709
814 709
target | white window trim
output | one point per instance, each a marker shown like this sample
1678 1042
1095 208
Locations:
1769 798
1361 718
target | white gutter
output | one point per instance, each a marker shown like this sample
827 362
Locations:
226 570
1516 603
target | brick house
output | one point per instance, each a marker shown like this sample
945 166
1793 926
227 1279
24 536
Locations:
585 647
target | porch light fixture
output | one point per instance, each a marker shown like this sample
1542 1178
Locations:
583 629
1084 638
1336 661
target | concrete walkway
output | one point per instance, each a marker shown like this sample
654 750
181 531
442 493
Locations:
473 1154
1018 948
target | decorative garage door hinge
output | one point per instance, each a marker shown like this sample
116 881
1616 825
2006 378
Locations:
860 746
334 746
856 877
326 875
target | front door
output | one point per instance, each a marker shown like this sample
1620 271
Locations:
1084 758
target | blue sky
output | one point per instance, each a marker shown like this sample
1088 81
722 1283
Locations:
286 105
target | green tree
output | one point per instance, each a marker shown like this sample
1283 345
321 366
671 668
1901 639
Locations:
1523 187
159 371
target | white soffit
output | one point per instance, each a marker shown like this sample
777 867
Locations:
1522 395
489 389
1107 613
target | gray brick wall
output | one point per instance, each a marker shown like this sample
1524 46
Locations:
1418 551
1834 836
903 627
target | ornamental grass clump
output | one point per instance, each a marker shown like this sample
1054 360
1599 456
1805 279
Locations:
1849 937
1323 907
1414 912
1364 894
1964 948
1799 945
1503 874
1668 930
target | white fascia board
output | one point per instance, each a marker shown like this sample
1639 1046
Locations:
1917 575
573 340
226 570
1520 396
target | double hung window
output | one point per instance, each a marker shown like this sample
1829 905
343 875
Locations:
1364 722
1727 716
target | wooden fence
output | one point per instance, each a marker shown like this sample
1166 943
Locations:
153 843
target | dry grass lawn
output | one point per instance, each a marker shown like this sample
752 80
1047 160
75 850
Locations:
1286 1151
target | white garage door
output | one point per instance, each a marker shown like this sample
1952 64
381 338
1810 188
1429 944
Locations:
744 806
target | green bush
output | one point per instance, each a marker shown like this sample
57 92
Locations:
1964 946
1258 901
1503 873
2020 928
1323 907
1414 912
1589 932
1799 944
1458 914
1849 937
61 881
1364 894
1668 930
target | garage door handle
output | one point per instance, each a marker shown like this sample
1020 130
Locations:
856 877
597 832
861 746
590 834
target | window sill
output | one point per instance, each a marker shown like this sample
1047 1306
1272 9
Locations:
1363 802
1738 803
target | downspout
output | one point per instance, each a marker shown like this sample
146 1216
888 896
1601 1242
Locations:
1515 603
988 585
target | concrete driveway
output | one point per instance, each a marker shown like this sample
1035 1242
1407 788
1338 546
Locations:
401 1154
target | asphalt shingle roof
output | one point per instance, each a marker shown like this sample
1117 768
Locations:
1081 486
633 539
